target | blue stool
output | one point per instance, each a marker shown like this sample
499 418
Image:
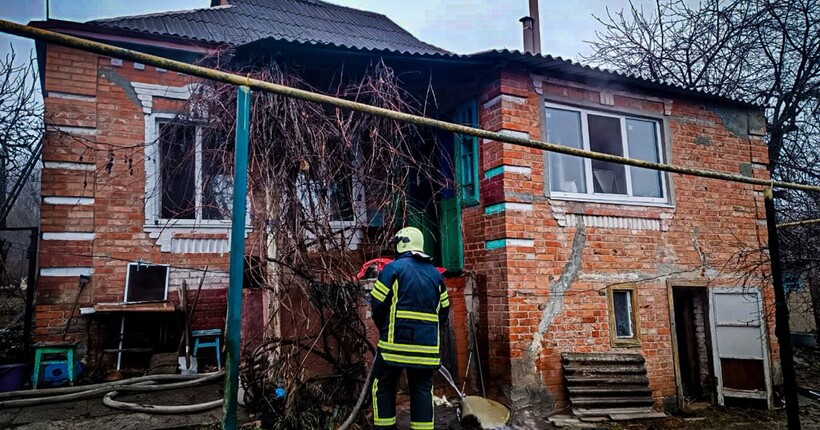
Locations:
65 349
208 339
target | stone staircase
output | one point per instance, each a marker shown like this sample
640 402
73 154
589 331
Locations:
605 386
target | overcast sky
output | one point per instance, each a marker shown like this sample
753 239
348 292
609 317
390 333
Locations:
462 26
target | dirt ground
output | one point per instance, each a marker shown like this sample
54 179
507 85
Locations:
92 414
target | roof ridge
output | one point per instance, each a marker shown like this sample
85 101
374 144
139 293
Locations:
327 3
157 14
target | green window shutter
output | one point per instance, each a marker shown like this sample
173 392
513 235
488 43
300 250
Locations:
452 246
466 156
423 221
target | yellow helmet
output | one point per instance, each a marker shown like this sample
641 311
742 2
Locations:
409 239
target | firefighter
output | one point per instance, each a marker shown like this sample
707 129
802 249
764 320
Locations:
409 303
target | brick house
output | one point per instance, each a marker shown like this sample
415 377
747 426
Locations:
558 255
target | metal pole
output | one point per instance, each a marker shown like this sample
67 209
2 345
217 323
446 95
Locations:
237 257
782 330
269 87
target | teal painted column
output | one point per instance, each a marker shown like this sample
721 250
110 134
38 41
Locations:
233 332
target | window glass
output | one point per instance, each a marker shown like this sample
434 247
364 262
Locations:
567 172
642 138
608 134
605 136
333 201
467 165
217 177
467 151
341 199
146 282
177 147
622 306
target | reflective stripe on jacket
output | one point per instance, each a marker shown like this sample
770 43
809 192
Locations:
409 301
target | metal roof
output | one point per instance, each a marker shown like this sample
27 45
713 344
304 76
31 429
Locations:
305 21
560 67
316 23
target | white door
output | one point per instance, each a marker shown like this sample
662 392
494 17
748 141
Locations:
741 353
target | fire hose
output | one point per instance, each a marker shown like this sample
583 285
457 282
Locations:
112 389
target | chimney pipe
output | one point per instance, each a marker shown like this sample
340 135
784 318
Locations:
536 27
527 23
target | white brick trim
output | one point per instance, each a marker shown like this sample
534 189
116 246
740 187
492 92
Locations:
521 242
69 236
504 98
628 223
73 201
66 272
71 96
515 133
85 131
69 165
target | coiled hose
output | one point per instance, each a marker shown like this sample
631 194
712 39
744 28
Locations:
112 389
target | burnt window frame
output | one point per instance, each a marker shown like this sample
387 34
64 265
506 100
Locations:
153 184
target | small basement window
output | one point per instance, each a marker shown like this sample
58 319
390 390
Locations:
623 321
146 282
575 177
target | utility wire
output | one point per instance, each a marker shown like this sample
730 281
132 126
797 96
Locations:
230 78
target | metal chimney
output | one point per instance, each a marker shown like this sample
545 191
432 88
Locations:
532 29
527 23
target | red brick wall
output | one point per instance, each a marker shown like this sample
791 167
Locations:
709 219
100 150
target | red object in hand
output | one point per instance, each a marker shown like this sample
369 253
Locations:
380 263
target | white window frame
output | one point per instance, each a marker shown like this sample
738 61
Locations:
591 195
153 179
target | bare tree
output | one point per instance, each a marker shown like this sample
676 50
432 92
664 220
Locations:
326 189
762 51
21 121
21 129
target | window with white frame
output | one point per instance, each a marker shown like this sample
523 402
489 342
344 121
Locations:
622 135
194 181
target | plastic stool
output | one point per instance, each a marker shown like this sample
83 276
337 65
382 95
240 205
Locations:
208 339
44 348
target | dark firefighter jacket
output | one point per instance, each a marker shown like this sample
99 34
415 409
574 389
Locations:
409 301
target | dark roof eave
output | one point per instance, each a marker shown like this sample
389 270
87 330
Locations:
134 37
272 42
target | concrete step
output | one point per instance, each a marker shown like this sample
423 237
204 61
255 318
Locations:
586 412
601 358
615 380
603 402
623 391
572 369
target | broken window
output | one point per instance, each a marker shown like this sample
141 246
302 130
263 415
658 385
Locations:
572 176
196 181
622 319
332 201
178 168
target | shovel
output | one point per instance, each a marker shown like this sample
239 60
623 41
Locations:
486 413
